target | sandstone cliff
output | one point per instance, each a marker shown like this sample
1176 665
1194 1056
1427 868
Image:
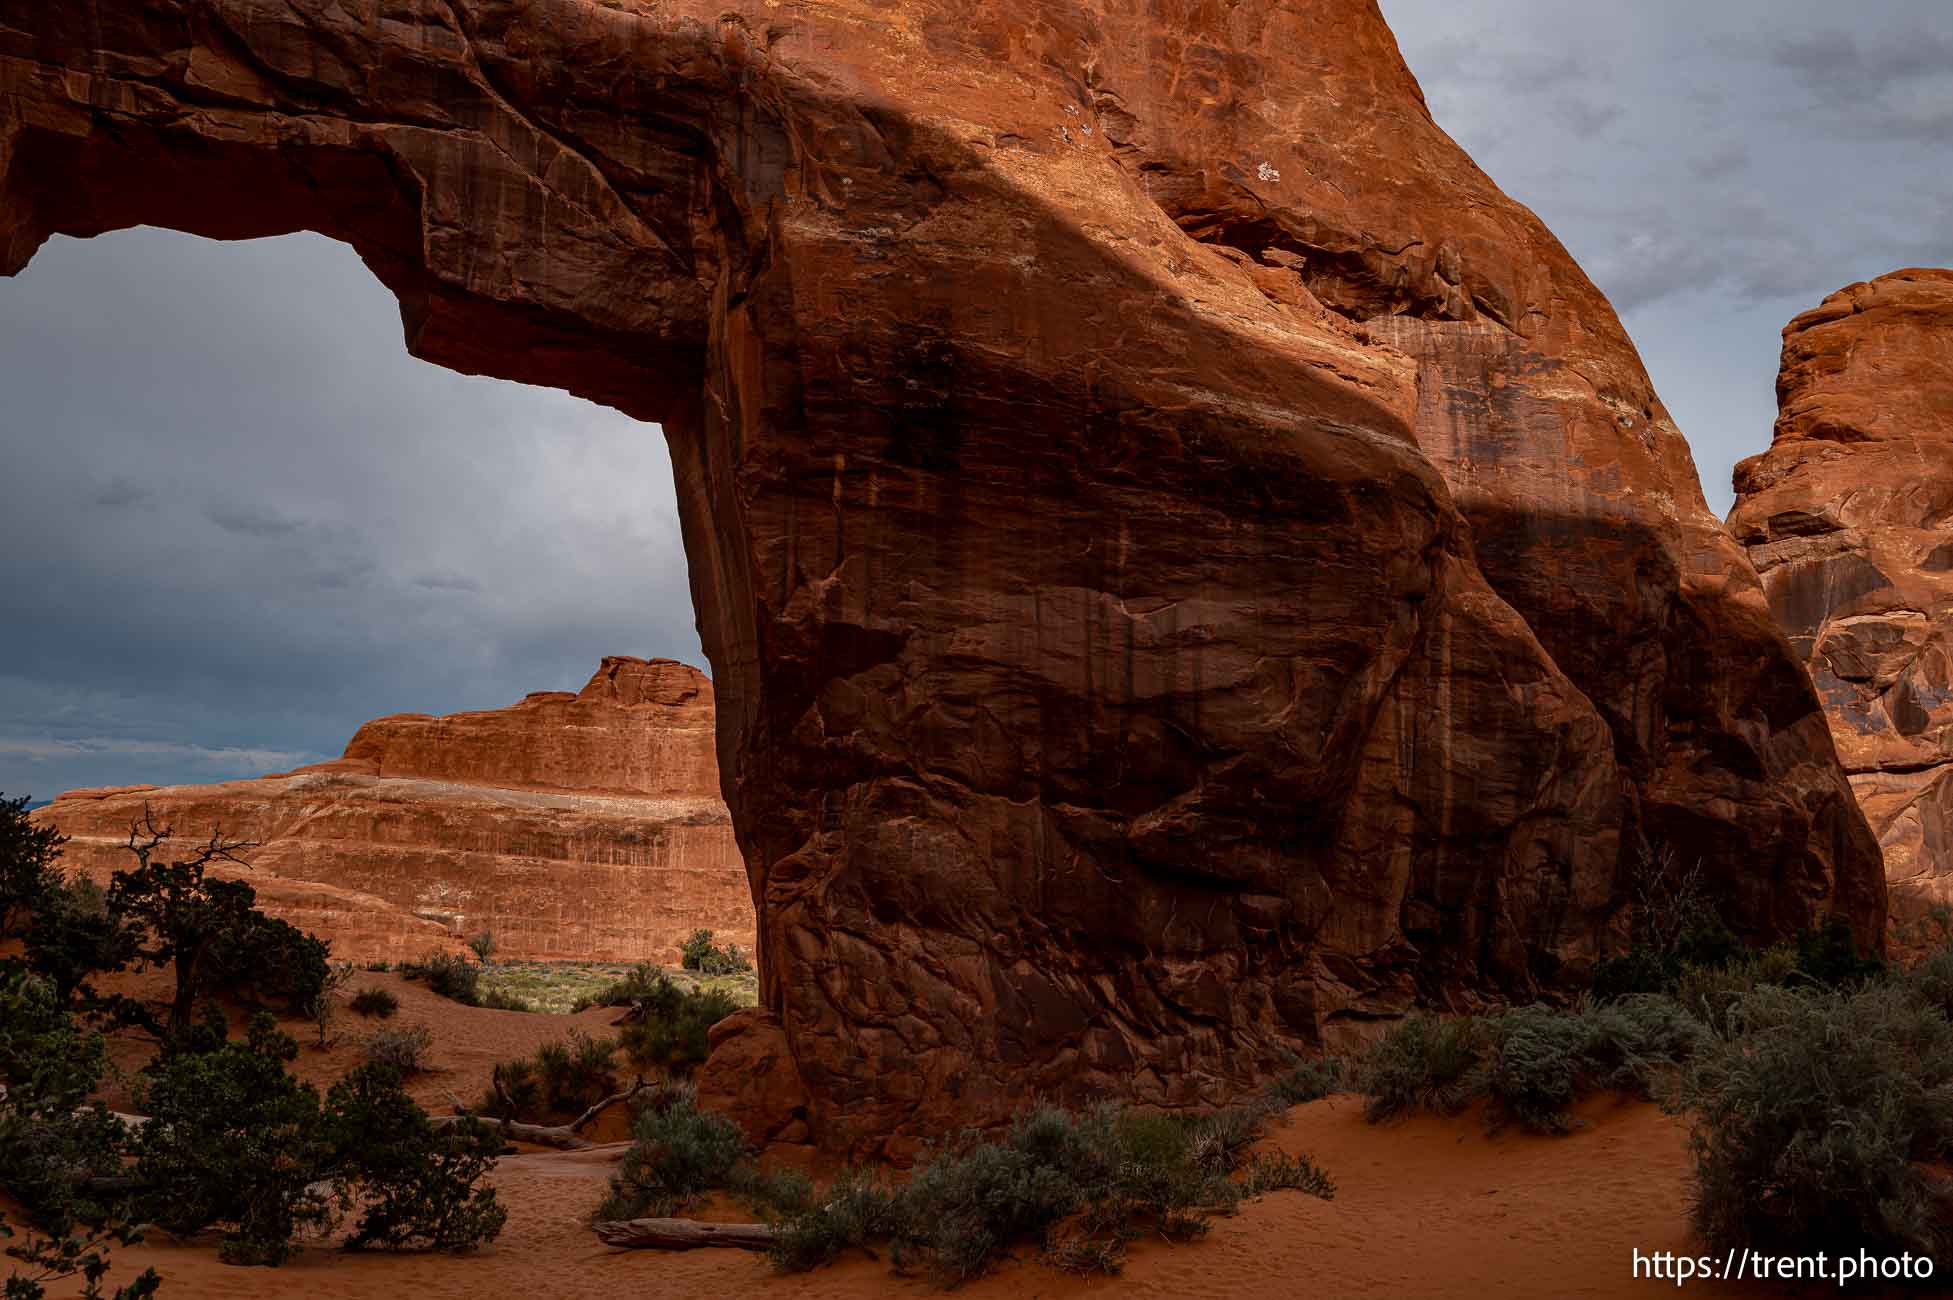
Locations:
1849 518
1189 567
580 826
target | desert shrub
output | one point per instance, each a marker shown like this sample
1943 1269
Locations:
482 945
1810 1123
1931 979
1087 1256
269 960
501 1000
669 1028
856 1210
514 1093
640 983
69 1255
1710 993
450 976
1271 1173
73 935
1827 954
1422 1064
1531 1063
403 1049
27 865
378 1003
52 1136
1085 1184
1306 1081
960 1209
561 1081
707 958
577 1073
679 1153
380 967
234 1141
1539 1061
422 1187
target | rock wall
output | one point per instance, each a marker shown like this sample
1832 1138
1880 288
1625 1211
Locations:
1072 405
1849 518
580 827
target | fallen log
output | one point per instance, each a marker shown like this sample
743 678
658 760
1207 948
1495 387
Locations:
684 1234
561 1136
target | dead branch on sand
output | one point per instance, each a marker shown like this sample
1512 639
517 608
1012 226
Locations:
684 1234
561 1136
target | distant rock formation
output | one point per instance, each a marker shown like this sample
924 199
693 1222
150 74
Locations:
581 826
1849 520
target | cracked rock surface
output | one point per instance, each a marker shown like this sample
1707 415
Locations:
1849 519
1189 568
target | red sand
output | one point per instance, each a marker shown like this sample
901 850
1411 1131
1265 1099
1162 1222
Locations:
1428 1207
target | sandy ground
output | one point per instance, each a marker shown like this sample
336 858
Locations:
1426 1207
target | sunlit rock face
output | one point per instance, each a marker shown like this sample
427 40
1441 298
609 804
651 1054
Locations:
1190 569
582 826
1849 518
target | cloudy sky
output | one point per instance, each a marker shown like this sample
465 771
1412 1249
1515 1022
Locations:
237 519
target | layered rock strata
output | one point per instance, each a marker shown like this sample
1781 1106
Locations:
1849 519
581 826
1189 567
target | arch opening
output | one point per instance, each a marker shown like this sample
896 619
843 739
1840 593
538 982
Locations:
249 536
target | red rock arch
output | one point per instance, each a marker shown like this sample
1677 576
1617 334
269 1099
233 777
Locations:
1110 693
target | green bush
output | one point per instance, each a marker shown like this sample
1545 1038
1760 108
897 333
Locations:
52 1139
1810 1123
1539 1061
452 977
560 1082
1828 954
74 936
482 945
269 960
422 1187
404 1049
679 1153
52 1135
707 958
1531 1063
500 1000
27 866
856 1210
1422 1064
234 1141
378 1003
669 1029
1085 1184
1306 1081
1271 1173
641 983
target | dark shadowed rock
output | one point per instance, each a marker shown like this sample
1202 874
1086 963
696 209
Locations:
1062 398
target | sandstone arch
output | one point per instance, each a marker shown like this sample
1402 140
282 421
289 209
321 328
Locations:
1062 398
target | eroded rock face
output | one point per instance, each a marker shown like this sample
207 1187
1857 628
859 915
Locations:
1072 405
581 826
1849 518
